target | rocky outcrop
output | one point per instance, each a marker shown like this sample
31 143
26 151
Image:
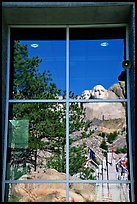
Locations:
118 89
52 192
104 111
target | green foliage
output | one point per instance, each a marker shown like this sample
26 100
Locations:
84 135
111 137
76 159
56 163
28 81
104 145
76 118
14 198
103 134
117 150
121 150
123 129
47 121
87 125
87 174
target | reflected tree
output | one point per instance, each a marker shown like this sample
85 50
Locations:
47 121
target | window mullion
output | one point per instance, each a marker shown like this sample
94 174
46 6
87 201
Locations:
67 114
6 118
129 121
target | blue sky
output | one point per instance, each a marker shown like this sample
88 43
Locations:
90 63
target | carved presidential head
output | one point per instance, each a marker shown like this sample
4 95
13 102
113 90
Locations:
86 94
99 92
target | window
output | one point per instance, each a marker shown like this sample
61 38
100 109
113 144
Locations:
68 129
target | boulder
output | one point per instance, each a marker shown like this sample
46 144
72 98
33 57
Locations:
52 192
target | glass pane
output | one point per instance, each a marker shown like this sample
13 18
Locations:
81 192
98 141
95 65
42 192
78 192
37 140
112 193
38 66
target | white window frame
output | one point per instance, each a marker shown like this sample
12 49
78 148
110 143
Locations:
67 100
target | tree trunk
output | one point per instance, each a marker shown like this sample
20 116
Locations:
35 164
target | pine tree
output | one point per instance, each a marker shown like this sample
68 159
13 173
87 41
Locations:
47 121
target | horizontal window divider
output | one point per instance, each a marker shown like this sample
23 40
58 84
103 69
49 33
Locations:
38 26
36 100
101 181
70 181
98 25
70 26
35 181
69 100
98 100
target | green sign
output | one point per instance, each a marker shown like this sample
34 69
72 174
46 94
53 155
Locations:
18 133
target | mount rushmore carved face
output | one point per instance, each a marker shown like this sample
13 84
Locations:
86 94
99 92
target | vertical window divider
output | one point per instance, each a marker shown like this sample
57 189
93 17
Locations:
67 114
6 117
129 120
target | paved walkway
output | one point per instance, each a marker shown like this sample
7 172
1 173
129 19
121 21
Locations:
111 192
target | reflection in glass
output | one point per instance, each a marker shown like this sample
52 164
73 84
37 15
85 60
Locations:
49 192
39 73
98 145
80 192
112 193
116 91
37 139
92 64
